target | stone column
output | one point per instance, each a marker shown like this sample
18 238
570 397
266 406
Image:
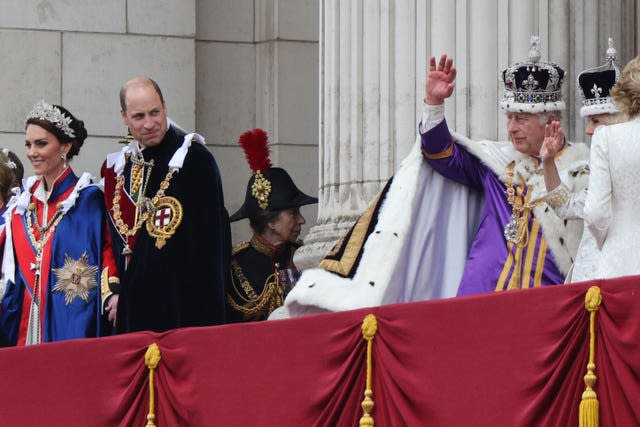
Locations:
373 57
367 110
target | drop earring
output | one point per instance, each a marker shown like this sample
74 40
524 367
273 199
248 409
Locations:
63 156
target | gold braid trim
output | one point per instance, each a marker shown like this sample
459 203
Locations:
108 286
241 247
353 246
255 306
151 358
105 292
589 406
104 284
438 156
369 329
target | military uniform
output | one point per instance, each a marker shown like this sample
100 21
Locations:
262 273
261 277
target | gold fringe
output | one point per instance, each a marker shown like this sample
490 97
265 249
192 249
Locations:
152 358
369 329
589 406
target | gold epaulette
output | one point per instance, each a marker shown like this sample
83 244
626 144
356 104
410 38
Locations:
241 247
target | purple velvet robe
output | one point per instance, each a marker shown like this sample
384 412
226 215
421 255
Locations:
489 266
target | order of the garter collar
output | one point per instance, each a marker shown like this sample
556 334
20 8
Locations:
44 111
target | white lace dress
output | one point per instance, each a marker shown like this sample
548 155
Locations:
612 207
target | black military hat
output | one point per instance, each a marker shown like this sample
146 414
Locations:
269 188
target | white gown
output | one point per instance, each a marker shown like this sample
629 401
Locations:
612 208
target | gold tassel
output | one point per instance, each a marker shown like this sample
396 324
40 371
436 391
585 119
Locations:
589 406
369 329
152 358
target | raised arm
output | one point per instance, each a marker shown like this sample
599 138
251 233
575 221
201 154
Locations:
438 146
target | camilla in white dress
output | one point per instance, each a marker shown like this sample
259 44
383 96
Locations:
595 86
612 208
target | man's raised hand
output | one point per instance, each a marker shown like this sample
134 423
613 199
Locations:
440 80
553 140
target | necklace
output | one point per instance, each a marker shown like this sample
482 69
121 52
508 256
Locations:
42 229
144 207
44 234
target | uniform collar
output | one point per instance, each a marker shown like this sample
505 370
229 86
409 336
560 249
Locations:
266 248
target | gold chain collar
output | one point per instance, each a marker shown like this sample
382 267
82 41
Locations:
44 232
144 206
517 229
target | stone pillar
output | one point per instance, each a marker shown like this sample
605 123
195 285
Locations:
373 58
367 110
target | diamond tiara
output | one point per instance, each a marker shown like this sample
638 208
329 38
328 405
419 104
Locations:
52 114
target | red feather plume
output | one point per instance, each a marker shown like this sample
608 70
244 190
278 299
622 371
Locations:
255 144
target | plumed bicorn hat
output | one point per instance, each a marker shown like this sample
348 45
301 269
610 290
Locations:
269 188
532 86
595 84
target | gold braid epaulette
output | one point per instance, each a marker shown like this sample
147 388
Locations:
241 247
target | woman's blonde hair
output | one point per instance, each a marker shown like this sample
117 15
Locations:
613 118
626 92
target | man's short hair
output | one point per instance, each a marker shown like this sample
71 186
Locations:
139 81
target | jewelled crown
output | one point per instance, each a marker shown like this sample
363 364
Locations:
52 114
595 84
532 86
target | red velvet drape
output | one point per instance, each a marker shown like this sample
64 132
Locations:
508 359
